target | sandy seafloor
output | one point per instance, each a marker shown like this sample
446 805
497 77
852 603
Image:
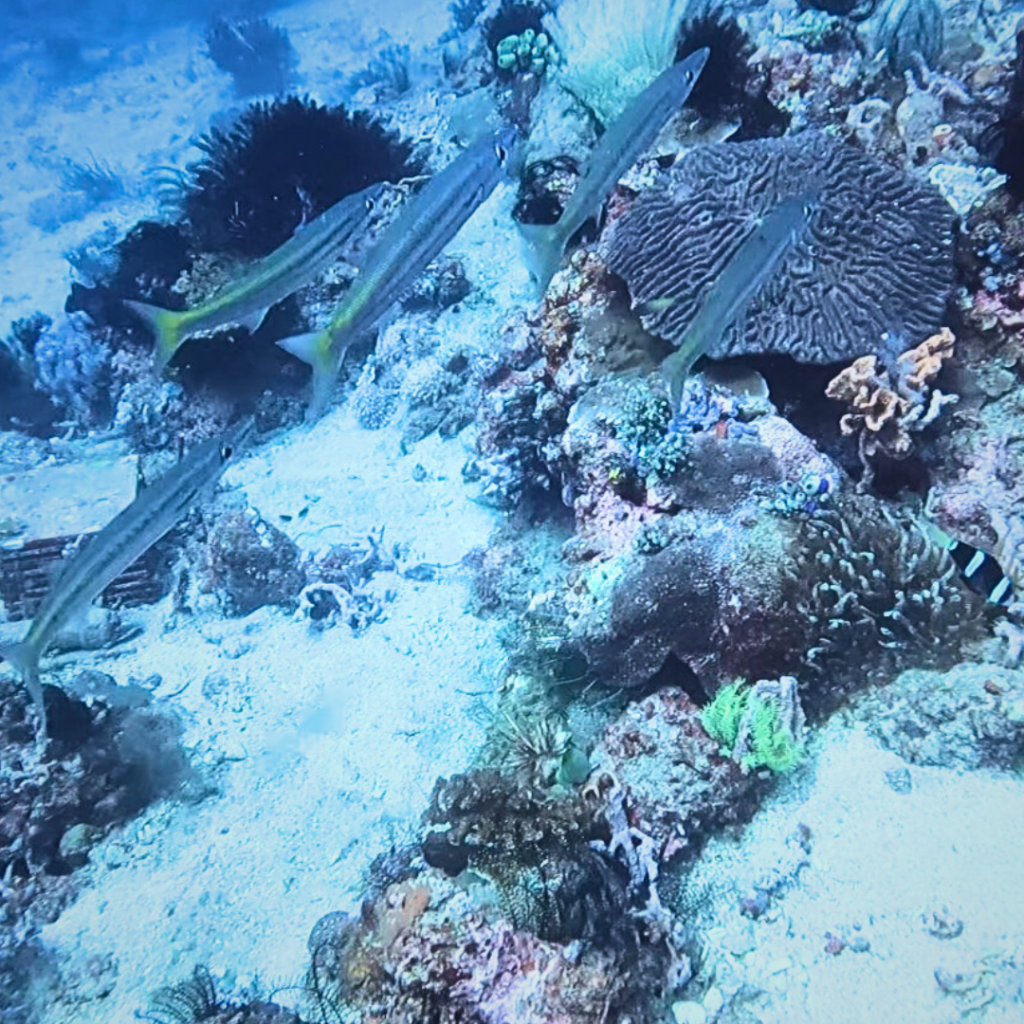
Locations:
325 745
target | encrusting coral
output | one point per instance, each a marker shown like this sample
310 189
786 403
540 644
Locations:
888 409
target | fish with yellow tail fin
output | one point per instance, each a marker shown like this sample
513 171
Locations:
427 223
103 557
625 141
752 264
245 300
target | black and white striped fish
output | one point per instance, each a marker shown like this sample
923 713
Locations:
981 571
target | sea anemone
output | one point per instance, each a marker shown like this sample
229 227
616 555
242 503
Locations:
281 164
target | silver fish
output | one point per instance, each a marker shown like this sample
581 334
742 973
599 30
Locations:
270 280
749 267
103 557
625 141
430 220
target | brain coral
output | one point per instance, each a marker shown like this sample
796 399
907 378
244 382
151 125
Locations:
876 257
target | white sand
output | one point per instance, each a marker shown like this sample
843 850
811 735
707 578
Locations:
879 860
328 743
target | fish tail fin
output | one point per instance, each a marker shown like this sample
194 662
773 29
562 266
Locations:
25 658
315 349
165 325
543 252
675 368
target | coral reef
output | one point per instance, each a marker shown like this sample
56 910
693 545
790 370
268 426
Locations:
698 569
676 785
109 754
547 873
614 49
887 410
971 716
257 54
250 563
684 569
417 953
865 280
279 165
74 369
580 333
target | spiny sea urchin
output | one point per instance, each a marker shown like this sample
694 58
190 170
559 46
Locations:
281 164
721 91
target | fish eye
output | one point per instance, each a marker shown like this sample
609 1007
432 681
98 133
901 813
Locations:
226 451
502 153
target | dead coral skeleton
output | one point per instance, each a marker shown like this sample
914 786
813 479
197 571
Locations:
886 410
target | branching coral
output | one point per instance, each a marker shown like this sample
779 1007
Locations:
887 410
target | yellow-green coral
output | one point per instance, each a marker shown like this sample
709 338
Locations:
530 51
721 718
738 708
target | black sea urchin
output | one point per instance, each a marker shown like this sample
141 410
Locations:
257 54
279 165
1003 142
721 92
